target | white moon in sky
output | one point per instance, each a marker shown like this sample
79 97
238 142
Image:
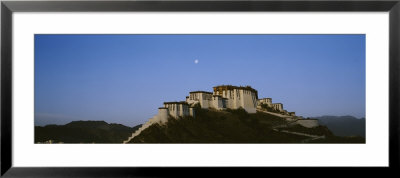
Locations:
196 61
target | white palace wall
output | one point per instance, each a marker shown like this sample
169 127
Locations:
237 97
203 98
277 106
176 109
309 123
248 101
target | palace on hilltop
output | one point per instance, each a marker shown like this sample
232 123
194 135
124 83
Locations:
226 96
223 97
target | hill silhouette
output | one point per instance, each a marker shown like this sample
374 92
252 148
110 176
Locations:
84 132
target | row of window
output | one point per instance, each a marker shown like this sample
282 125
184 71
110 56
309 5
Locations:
177 107
196 96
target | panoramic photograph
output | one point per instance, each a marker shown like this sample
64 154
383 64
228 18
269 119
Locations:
199 88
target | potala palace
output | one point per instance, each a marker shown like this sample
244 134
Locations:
224 97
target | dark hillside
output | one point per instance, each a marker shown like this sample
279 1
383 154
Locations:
231 126
84 132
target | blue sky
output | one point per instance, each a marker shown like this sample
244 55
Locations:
125 78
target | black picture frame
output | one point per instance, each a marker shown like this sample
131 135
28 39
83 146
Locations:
8 7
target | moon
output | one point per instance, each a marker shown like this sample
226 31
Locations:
196 61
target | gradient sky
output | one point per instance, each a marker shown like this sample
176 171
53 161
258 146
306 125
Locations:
125 78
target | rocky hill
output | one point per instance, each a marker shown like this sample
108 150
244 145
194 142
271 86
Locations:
236 126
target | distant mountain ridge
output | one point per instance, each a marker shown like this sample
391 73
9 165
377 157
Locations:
343 125
84 132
